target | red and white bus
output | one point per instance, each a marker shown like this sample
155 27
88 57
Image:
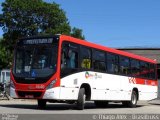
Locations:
65 69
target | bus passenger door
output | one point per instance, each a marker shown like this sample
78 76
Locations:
69 68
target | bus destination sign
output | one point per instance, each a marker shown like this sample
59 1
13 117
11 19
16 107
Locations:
38 41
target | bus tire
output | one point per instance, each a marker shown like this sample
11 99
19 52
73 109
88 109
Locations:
134 98
133 102
101 104
81 99
41 103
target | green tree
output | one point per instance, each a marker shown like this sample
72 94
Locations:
5 56
76 32
21 18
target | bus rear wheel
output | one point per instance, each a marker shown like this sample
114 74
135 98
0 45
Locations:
41 103
133 102
81 99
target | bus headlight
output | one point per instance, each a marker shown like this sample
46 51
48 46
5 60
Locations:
12 84
51 84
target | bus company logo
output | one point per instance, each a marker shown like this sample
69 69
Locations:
132 80
87 75
92 76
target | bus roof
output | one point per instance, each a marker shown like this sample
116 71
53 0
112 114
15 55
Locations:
107 49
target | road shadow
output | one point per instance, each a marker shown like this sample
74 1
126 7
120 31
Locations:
155 101
64 106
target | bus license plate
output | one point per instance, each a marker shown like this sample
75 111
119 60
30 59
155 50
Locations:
29 96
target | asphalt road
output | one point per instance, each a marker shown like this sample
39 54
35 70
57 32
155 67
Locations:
28 108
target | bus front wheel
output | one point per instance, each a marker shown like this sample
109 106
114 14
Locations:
41 103
81 99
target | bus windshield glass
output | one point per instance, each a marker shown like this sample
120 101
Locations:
35 58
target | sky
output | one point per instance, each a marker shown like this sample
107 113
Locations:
115 23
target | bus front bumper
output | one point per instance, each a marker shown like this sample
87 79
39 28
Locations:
52 94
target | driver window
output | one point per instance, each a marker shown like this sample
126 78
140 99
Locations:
69 57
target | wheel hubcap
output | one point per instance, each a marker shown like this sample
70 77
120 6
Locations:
84 98
134 99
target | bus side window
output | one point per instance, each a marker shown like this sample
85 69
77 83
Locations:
85 58
135 68
99 60
124 64
69 59
112 63
152 73
72 59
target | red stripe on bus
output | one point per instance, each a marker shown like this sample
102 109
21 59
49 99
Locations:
146 82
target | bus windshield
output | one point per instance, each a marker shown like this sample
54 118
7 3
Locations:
34 61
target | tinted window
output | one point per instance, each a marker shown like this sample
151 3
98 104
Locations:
112 63
69 58
152 71
85 58
99 60
98 55
144 67
135 67
124 64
